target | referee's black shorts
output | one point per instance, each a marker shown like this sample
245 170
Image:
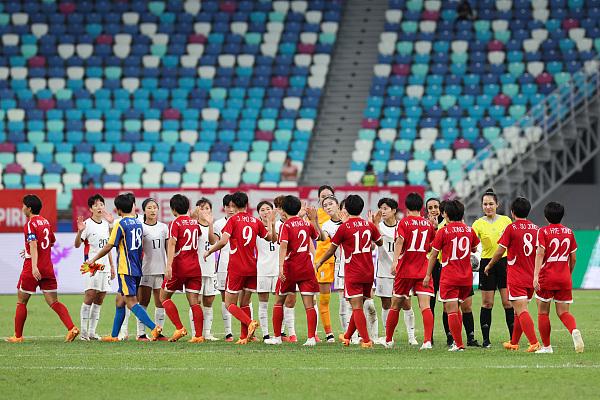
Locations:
436 275
496 278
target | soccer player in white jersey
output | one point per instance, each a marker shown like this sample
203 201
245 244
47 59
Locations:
94 233
267 265
222 262
329 228
203 213
154 261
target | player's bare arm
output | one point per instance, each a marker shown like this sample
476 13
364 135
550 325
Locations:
539 260
397 250
80 229
330 252
572 261
34 260
113 272
170 256
103 251
431 264
217 246
496 257
282 254
314 220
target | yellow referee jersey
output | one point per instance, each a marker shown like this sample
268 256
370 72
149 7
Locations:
323 245
490 232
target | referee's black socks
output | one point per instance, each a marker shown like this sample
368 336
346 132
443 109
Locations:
469 325
509 313
485 321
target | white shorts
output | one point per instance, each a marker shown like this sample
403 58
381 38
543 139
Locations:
99 282
209 286
266 284
221 280
338 283
384 287
152 281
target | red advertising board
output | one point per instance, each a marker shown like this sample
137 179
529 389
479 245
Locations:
11 204
162 196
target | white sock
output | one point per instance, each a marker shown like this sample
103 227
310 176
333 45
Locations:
251 310
226 318
208 321
289 316
263 317
94 318
316 307
159 316
342 311
141 328
85 318
409 321
193 329
372 321
125 326
384 315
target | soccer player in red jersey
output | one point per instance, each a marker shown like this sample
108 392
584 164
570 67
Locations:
554 263
38 270
356 236
295 267
456 241
183 268
518 240
241 231
414 235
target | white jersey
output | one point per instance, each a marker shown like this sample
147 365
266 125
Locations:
209 267
223 259
267 260
154 240
95 236
331 228
385 252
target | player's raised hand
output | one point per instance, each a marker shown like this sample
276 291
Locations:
195 214
312 213
375 217
302 212
36 273
108 216
80 224
207 216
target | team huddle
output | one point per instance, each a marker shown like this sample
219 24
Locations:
292 247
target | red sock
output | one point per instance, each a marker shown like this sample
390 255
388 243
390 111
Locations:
390 325
198 319
544 327
311 320
239 314
517 332
244 327
63 314
361 324
455 328
527 325
427 324
351 327
173 314
277 319
20 317
568 320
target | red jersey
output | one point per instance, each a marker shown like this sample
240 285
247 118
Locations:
456 241
559 243
418 233
187 233
356 237
298 233
38 228
243 229
519 241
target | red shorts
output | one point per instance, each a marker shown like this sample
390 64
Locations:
237 283
357 289
559 296
192 284
28 284
450 293
520 293
404 287
305 287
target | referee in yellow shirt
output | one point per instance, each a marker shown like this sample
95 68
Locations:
489 228
325 273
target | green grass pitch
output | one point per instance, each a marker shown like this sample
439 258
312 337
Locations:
45 367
